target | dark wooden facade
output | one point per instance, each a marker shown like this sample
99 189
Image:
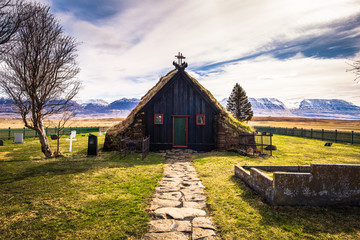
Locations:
179 102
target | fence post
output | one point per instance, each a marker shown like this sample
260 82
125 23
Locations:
352 137
336 135
24 131
254 144
322 134
293 131
9 133
311 133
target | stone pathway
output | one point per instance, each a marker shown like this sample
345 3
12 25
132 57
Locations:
178 207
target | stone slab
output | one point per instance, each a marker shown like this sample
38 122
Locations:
203 222
195 198
179 213
160 203
167 236
169 196
197 205
200 233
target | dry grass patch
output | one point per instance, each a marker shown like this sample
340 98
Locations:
306 123
105 122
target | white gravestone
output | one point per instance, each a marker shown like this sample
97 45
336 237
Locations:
100 134
71 139
18 138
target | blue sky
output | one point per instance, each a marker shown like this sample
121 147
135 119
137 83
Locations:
284 49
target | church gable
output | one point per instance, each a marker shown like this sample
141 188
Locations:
178 112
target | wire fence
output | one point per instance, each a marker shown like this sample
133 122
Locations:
29 133
326 135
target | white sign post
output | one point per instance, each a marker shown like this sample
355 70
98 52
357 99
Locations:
71 139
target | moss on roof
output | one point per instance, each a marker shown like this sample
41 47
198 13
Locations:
229 119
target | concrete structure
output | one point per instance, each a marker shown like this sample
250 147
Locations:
317 185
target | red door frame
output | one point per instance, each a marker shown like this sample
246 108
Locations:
187 129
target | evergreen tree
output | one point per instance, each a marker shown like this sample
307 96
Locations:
239 105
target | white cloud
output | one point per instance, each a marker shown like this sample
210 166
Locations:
287 80
123 56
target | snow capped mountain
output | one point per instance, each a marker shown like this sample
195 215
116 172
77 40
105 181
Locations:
312 108
266 107
124 103
327 105
267 103
98 102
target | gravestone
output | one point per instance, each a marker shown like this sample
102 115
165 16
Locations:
54 137
18 138
100 134
92 145
1 142
71 139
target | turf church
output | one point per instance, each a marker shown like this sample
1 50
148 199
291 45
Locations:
178 112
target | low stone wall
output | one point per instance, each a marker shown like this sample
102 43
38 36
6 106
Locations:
323 185
280 168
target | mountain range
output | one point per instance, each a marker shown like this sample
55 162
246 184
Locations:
310 108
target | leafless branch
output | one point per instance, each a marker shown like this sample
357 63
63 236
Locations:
39 69
355 68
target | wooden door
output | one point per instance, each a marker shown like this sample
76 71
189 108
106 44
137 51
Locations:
180 131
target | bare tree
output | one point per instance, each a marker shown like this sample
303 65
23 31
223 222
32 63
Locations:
355 68
59 127
39 70
10 20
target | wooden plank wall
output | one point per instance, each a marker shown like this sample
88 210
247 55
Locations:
180 97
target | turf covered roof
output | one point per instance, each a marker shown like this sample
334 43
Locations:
230 121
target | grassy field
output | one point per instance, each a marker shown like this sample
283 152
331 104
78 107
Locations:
105 197
74 197
308 123
239 213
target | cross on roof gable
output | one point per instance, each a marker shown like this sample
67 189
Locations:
180 65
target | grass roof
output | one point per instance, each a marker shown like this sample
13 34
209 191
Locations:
228 118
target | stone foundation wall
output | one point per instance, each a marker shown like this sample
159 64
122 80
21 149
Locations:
225 137
135 131
323 185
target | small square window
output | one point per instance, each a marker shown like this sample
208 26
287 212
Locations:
159 118
200 119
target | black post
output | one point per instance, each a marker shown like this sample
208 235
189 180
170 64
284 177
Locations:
254 144
271 143
24 131
322 134
92 145
335 135
9 133
311 133
352 137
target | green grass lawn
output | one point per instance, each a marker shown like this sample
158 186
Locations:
74 197
239 213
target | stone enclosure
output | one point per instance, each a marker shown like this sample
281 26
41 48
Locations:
314 185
